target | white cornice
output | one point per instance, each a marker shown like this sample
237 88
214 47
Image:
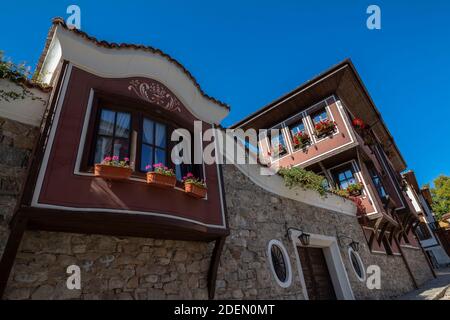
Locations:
128 62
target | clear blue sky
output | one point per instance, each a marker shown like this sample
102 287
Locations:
247 53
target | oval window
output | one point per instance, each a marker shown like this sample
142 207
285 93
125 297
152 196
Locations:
357 265
279 263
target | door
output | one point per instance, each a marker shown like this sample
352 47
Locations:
315 271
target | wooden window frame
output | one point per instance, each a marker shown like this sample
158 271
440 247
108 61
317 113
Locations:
138 111
335 174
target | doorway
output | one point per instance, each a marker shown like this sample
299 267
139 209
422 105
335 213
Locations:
317 276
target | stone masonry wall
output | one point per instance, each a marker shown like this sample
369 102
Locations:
16 144
136 268
111 268
418 264
257 216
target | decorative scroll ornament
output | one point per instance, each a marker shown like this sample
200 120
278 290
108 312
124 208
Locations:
156 93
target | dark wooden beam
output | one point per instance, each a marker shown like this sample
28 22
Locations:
214 266
18 227
373 236
383 231
118 224
416 286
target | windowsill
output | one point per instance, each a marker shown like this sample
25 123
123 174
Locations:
137 177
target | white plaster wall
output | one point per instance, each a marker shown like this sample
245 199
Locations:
27 111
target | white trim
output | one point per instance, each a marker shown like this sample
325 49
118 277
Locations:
335 264
409 246
361 264
87 210
287 260
84 132
49 142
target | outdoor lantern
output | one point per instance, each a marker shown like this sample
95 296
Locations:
355 245
304 238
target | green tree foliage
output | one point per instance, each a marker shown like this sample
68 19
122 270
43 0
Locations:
441 196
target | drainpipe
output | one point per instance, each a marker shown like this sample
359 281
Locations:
406 264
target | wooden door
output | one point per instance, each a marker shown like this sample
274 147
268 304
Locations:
315 271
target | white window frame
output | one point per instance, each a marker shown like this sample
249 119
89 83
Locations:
287 260
361 264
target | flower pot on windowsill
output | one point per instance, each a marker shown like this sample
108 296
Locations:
112 172
195 191
355 190
161 180
354 193
325 128
325 132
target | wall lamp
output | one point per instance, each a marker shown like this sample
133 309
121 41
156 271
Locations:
353 244
304 238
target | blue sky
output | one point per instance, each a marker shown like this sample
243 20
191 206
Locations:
248 53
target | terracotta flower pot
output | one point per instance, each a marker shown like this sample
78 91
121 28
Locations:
195 190
161 180
112 172
355 193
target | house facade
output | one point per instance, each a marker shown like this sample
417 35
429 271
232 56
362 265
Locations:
426 231
249 237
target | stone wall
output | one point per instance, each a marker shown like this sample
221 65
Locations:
418 264
135 268
111 268
16 143
257 216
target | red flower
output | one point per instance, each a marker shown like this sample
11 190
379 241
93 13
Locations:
357 122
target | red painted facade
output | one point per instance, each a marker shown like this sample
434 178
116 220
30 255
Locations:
64 188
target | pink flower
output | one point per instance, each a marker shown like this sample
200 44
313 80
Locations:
126 159
148 167
115 158
189 175
107 159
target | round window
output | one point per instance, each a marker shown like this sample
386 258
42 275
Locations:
279 263
357 265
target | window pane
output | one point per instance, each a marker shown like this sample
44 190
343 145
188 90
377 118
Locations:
277 140
146 156
160 140
123 125
160 156
300 127
147 135
103 149
120 148
106 125
321 116
345 177
348 174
